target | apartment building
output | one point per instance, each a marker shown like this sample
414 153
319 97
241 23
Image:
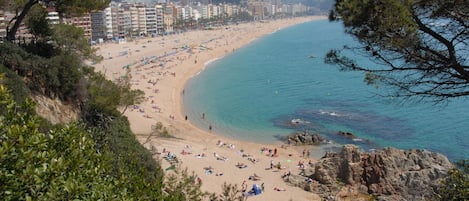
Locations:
98 26
52 16
125 23
169 18
3 25
83 22
151 21
141 20
109 23
160 23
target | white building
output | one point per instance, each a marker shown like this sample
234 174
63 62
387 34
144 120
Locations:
109 23
3 25
151 21
142 20
53 17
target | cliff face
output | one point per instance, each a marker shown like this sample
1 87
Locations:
390 174
55 110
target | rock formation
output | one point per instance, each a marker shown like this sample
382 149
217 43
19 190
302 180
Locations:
389 174
346 134
305 138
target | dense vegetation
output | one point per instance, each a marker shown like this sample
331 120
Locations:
456 184
82 161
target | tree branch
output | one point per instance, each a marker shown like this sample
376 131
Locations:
450 47
11 33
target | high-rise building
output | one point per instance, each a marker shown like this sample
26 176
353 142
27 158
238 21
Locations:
109 22
98 26
141 20
169 18
160 23
151 20
125 23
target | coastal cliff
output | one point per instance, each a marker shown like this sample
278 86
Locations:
388 174
54 110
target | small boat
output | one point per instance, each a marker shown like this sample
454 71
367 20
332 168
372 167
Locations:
312 56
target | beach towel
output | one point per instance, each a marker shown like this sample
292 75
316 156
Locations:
256 189
172 167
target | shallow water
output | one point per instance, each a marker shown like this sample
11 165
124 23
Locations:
255 92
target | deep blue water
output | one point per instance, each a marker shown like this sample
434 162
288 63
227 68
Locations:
255 92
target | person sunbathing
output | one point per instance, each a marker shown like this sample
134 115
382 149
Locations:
200 155
241 165
184 152
221 158
279 189
254 177
253 160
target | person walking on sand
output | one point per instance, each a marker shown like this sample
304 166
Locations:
244 186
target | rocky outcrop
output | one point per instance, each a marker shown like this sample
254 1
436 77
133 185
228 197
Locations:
54 110
390 174
305 138
346 134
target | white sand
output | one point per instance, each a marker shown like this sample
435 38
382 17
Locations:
163 86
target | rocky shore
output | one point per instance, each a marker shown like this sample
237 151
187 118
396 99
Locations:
387 174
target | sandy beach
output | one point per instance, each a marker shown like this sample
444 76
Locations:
160 67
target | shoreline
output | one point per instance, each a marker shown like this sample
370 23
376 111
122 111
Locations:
164 91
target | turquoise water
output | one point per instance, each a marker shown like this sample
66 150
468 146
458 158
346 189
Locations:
255 92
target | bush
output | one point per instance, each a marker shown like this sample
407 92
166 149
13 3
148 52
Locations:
13 82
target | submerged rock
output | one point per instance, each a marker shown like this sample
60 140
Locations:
346 134
390 174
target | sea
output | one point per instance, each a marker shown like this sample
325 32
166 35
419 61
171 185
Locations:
279 84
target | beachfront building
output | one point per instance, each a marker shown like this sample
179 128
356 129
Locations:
151 20
134 21
256 9
203 11
141 20
295 9
160 24
125 23
98 26
111 18
214 10
227 10
169 12
123 19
